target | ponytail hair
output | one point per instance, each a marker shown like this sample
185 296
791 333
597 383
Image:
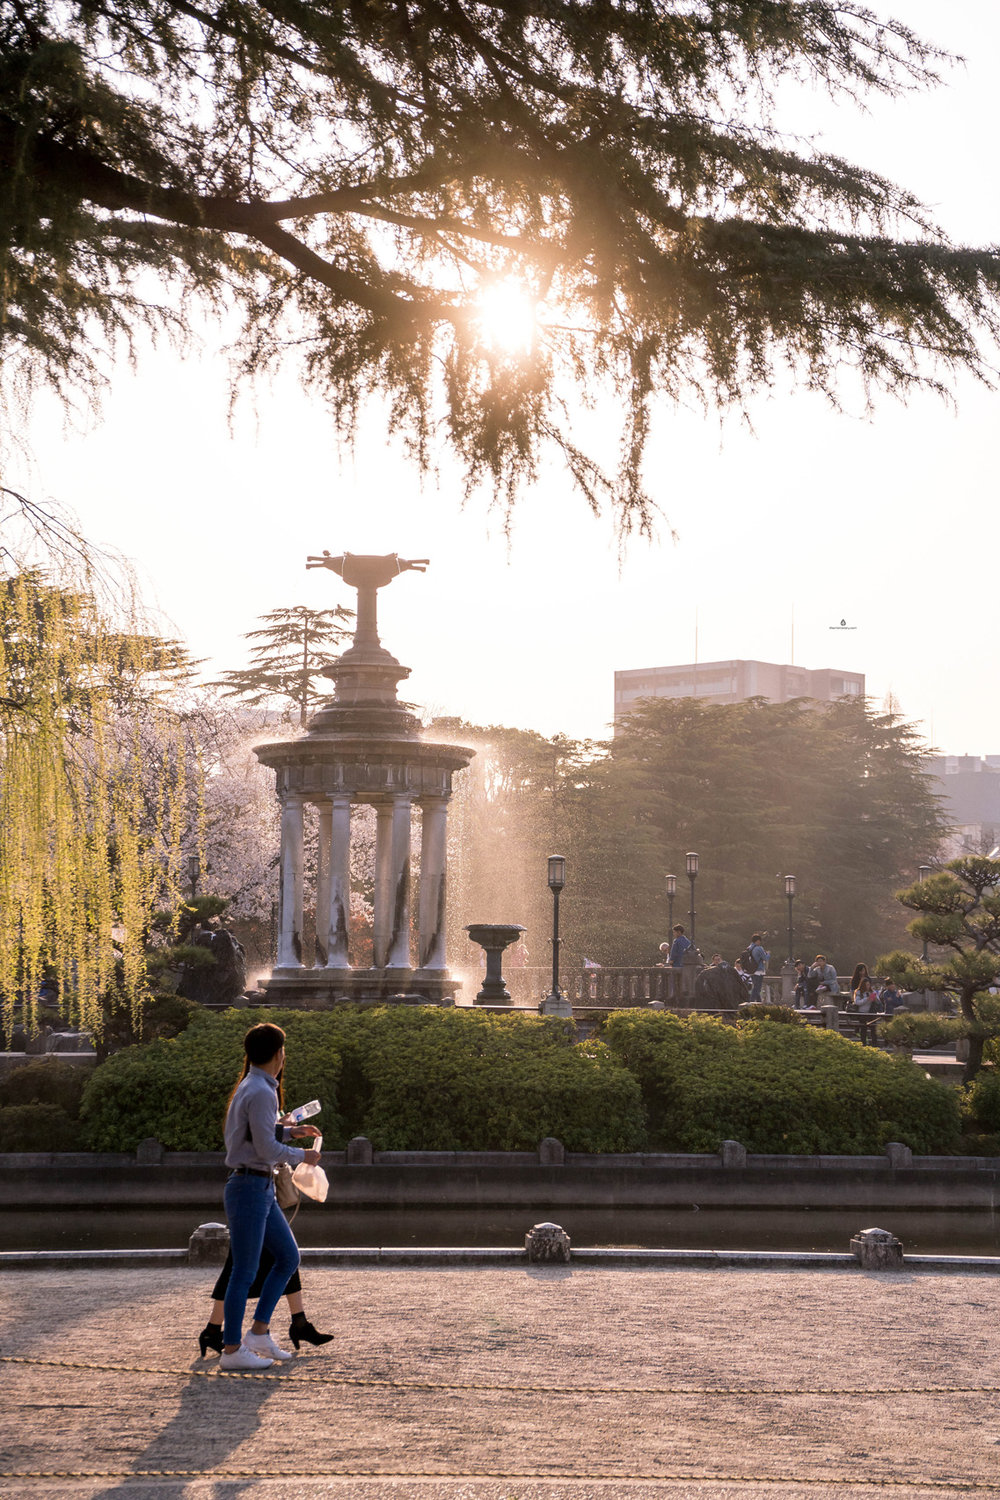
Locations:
260 1044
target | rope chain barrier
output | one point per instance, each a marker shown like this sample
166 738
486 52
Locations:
376 1383
663 1476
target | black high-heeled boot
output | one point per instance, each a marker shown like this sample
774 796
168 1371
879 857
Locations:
210 1337
301 1331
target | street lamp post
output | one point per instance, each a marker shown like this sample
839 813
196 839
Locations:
691 861
555 1002
923 873
671 882
790 893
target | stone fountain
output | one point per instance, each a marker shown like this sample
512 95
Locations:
364 747
494 938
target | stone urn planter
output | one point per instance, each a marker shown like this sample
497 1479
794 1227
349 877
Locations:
494 938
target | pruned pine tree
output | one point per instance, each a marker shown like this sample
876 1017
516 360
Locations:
87 851
958 915
290 659
367 181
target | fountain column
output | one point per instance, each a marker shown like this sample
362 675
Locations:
382 922
433 857
323 884
339 898
290 915
398 956
364 748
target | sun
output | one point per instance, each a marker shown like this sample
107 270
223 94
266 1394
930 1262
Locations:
506 316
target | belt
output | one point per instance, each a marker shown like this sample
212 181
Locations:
249 1172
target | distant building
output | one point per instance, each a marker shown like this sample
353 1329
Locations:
970 786
734 682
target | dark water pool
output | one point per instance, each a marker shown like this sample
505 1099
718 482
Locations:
925 1233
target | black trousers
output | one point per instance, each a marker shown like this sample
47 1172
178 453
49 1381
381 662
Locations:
266 1262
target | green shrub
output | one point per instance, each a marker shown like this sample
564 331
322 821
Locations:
979 1145
176 1089
46 1080
763 1011
923 1028
38 1127
455 1080
982 1102
777 1088
420 1078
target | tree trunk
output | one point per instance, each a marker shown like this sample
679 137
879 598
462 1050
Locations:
974 1061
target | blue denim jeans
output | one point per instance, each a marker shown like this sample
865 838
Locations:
255 1222
758 981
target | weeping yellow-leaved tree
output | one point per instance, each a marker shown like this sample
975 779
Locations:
94 793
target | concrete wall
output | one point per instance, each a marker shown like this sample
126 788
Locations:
492 1179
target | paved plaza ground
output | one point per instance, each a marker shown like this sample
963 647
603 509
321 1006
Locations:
509 1384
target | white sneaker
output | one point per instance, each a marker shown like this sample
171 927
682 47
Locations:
244 1358
263 1343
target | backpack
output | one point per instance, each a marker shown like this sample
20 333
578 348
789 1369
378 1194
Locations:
748 963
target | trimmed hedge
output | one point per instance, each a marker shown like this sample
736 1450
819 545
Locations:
982 1101
176 1090
38 1127
426 1078
922 1028
419 1079
453 1080
777 1088
46 1080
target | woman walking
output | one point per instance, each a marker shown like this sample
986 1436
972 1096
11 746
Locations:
256 1222
301 1330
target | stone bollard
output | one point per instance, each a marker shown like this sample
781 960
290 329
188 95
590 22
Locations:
898 1154
38 1044
877 1250
209 1245
359 1151
733 1153
831 1017
149 1153
546 1243
551 1153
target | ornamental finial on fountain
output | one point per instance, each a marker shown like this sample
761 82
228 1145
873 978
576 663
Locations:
366 674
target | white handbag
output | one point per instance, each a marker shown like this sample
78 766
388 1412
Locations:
312 1181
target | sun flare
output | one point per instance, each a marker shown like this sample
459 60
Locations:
506 316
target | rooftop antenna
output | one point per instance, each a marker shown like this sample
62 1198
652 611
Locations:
695 673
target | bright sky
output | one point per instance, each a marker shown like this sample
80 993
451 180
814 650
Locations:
890 524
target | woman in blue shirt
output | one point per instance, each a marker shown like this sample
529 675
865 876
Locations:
253 1150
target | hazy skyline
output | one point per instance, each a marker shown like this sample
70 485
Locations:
888 524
